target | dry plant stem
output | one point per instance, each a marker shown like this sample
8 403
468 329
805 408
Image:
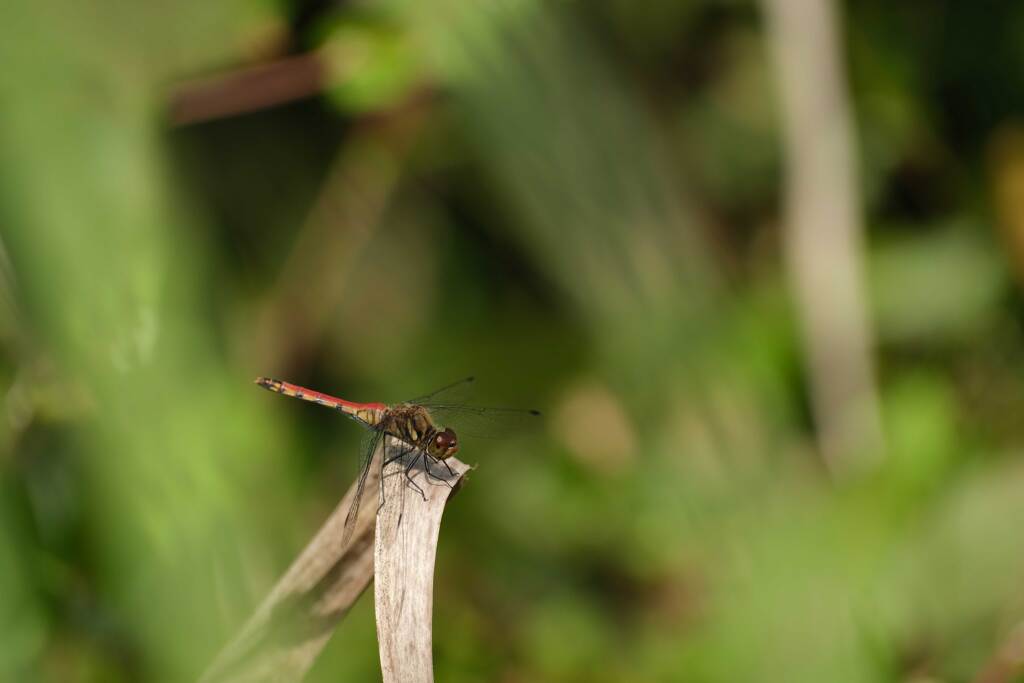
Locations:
407 532
823 229
282 639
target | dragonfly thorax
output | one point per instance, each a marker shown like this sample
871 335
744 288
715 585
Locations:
414 425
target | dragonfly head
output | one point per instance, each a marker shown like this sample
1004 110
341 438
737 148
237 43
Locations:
444 444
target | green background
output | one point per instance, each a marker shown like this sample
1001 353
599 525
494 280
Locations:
578 202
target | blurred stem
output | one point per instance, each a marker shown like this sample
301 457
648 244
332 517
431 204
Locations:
341 223
823 230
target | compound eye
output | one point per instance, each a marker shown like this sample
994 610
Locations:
445 440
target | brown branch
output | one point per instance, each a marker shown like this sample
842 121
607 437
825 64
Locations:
248 89
407 532
270 84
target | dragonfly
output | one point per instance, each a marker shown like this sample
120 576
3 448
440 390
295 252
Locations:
416 425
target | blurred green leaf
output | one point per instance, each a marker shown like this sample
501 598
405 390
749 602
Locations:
935 289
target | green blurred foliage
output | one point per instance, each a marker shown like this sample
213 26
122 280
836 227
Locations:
579 203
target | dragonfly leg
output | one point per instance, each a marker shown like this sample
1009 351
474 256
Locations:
388 462
397 457
411 481
433 476
448 467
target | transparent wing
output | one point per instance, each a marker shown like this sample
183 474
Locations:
484 422
448 407
368 447
454 393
